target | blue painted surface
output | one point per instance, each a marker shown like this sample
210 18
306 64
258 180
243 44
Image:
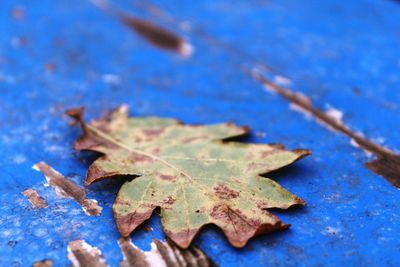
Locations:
342 54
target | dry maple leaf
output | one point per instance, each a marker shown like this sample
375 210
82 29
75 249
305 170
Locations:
192 173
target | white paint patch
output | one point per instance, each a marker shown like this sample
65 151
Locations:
335 114
19 159
355 144
124 108
154 258
330 230
55 149
282 81
111 79
35 167
186 49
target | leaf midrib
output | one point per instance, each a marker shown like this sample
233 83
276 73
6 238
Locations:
131 149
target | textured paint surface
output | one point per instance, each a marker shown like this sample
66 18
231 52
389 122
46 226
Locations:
189 173
344 54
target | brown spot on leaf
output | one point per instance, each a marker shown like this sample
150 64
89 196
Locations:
243 228
155 151
169 200
34 198
194 139
168 177
224 192
153 132
140 158
277 146
267 153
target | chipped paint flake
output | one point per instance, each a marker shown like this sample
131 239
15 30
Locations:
335 114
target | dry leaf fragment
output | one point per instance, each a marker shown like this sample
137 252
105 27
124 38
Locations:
192 173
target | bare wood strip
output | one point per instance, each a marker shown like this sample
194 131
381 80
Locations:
35 199
67 188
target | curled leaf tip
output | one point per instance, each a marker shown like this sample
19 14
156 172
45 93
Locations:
75 113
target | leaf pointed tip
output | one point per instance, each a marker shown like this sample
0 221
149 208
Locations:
302 152
182 239
299 201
